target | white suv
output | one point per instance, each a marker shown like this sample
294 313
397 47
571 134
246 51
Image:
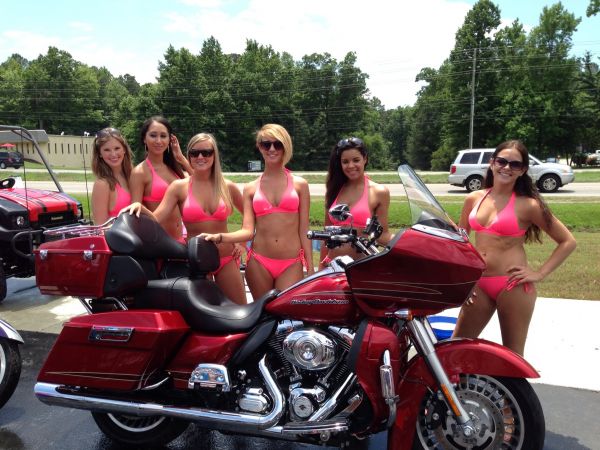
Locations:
470 166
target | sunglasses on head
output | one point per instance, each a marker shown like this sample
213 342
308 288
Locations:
503 162
352 142
194 153
105 132
266 145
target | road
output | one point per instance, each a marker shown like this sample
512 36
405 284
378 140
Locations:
318 190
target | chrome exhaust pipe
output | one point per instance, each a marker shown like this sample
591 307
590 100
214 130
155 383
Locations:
54 394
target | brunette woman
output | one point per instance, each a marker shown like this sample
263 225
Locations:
205 201
347 183
112 166
276 216
164 164
504 216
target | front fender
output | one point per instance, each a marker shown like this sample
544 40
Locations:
472 356
8 332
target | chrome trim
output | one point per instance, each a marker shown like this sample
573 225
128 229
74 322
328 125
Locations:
110 334
388 391
11 334
454 235
309 349
88 255
316 427
328 407
43 254
210 376
53 394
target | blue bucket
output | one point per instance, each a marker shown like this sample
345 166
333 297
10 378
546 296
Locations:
443 326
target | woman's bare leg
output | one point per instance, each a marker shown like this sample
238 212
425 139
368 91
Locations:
515 309
473 317
291 275
231 283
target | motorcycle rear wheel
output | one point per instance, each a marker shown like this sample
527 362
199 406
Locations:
147 431
506 413
10 369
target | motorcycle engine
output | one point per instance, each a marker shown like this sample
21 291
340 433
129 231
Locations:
315 361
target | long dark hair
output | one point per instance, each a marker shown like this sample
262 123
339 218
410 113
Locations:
335 175
168 157
524 186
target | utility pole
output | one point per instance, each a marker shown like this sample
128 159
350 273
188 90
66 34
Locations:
472 98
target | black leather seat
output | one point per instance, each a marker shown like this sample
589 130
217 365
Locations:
202 303
142 237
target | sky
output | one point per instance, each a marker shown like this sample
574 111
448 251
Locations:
393 39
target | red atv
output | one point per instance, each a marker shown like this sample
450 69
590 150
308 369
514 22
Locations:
25 213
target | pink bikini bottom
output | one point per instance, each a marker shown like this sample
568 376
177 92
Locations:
493 286
226 260
276 266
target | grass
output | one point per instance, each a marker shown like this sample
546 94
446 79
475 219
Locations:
577 278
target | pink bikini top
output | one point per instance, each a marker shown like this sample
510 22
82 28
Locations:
505 223
290 202
159 186
192 211
360 211
123 199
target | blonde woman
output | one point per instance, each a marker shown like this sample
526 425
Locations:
276 217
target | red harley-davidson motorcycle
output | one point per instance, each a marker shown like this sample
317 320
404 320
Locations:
342 354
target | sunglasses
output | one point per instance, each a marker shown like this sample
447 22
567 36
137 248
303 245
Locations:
194 153
266 145
105 132
503 162
351 142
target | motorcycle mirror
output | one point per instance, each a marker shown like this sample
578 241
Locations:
340 212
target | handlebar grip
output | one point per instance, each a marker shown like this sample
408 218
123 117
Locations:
318 235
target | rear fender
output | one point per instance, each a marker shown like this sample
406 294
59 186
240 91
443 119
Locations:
457 356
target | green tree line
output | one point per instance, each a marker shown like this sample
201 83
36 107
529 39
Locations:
505 81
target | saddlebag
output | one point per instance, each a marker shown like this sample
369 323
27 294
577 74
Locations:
122 350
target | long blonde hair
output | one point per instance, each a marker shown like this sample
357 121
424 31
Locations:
103 170
220 190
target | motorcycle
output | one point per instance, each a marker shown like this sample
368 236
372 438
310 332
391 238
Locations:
342 354
10 361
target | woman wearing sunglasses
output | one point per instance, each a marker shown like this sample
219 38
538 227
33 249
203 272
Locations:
276 208
504 216
205 200
347 183
164 164
112 166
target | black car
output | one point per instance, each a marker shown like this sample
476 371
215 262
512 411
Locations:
10 159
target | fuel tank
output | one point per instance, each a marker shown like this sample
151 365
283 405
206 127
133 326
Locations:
324 297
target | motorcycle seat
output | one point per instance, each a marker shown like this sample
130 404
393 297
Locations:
142 237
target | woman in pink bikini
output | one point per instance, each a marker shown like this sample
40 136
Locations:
205 201
276 208
347 183
504 216
164 164
112 166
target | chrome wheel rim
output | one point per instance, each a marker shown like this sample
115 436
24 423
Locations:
549 184
136 424
475 184
2 363
494 411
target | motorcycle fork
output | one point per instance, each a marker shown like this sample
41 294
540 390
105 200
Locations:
424 340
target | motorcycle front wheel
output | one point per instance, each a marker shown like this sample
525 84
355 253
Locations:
147 431
506 414
10 369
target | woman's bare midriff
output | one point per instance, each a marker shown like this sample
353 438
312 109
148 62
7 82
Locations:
277 236
500 252
210 227
173 224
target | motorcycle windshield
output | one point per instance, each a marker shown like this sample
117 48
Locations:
426 212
